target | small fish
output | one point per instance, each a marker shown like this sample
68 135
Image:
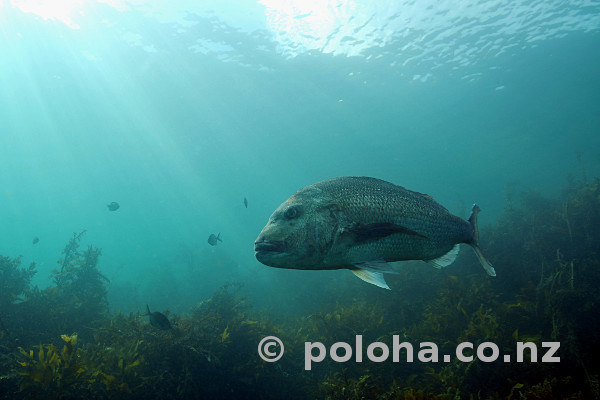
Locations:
114 206
35 240
212 239
158 320
245 202
363 224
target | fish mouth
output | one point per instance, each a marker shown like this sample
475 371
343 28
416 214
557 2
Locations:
269 253
269 247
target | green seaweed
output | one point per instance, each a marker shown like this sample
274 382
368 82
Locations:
546 254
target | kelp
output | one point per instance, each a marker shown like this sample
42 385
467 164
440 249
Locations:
14 283
14 280
76 302
51 373
80 280
545 251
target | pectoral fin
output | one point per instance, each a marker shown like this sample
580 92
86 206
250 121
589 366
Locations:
376 266
365 232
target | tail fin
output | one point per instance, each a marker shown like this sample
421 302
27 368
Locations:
148 308
219 237
475 244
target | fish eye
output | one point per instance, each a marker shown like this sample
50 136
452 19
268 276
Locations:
291 213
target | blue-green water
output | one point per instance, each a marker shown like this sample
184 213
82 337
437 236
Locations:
178 110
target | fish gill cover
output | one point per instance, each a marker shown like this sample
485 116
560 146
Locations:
179 111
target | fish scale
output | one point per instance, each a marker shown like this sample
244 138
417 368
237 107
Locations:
369 200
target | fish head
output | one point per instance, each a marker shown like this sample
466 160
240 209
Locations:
300 232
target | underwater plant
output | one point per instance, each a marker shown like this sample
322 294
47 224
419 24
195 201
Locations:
14 280
79 277
546 252
51 372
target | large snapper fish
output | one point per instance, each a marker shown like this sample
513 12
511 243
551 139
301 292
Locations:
363 224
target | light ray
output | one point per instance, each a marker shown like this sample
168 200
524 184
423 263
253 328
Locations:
55 10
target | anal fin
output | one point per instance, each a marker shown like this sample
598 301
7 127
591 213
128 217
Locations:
446 259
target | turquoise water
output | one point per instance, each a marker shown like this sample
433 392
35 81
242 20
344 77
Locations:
180 111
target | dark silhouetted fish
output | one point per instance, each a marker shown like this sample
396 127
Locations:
158 320
35 240
114 206
363 224
245 202
212 239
